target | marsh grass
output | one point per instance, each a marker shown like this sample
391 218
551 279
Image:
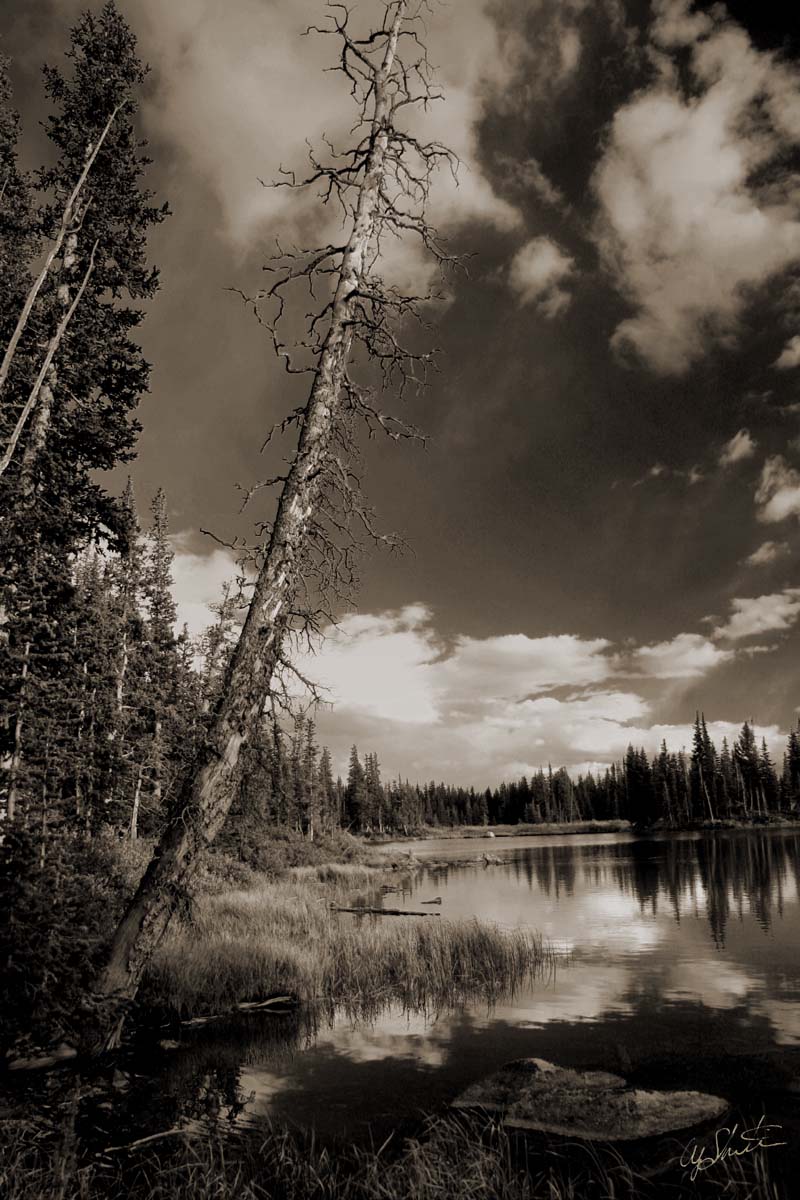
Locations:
450 1160
283 938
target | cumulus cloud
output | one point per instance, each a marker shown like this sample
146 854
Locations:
740 447
778 492
753 615
537 274
427 680
766 553
380 666
683 225
476 710
198 580
480 709
789 357
686 656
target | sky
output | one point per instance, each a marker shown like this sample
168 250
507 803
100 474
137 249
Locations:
603 526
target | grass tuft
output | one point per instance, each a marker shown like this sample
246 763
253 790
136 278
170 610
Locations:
282 937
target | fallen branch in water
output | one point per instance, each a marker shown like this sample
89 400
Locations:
253 1005
384 912
248 1006
153 1137
62 1054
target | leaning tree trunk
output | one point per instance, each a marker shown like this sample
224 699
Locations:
71 212
209 789
42 389
41 393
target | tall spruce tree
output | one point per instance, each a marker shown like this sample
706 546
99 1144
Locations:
330 817
790 782
703 771
51 503
748 769
355 795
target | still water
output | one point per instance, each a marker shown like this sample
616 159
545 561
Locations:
679 965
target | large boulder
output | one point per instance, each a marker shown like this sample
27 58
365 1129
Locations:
595 1105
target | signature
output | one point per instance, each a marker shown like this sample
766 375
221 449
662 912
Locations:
730 1142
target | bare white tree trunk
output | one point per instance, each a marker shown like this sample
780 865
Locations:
71 212
210 788
137 795
45 380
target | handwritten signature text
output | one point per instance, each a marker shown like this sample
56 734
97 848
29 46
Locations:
729 1142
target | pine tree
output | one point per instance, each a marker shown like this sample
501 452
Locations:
703 771
727 780
51 505
159 644
309 821
748 771
355 793
790 783
374 799
330 817
768 779
19 245
215 646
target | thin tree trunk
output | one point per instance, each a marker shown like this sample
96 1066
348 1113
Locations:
134 829
158 762
116 730
43 845
67 217
89 774
42 850
16 753
79 740
210 787
40 387
122 672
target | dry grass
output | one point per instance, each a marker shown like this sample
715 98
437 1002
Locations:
451 1159
282 937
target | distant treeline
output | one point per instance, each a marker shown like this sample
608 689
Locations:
738 782
289 781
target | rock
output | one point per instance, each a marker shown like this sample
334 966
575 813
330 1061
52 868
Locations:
538 1095
488 833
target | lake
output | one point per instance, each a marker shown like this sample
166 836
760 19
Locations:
678 964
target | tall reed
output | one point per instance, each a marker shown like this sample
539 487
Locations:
284 938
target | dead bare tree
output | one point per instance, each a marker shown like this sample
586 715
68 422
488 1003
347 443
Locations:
354 350
65 235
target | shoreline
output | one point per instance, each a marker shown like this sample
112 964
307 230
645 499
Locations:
429 833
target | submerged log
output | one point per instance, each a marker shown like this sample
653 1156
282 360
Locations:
383 912
276 1005
532 1094
63 1053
